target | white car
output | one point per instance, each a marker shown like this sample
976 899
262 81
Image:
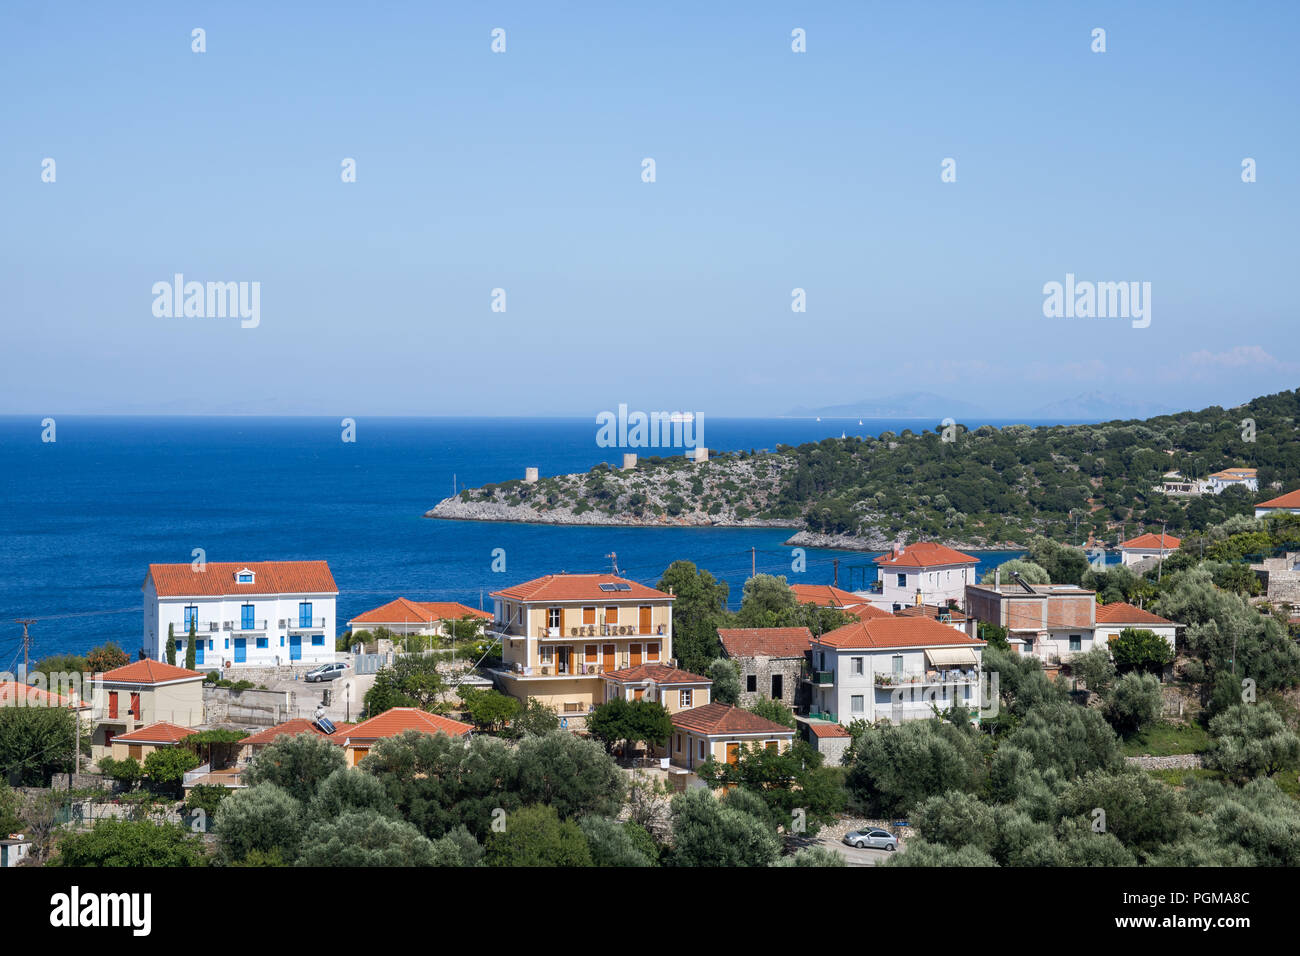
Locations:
326 672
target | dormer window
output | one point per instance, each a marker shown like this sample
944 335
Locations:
244 577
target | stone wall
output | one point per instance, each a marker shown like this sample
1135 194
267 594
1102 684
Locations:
793 690
248 708
1175 762
1283 587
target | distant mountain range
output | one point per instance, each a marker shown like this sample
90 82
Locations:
1087 407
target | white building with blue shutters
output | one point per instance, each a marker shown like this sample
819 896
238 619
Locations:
262 614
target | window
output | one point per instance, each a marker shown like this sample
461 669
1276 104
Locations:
180 645
552 617
611 615
686 699
263 643
751 683
701 749
318 640
227 643
191 616
210 643
547 653
778 687
246 617
902 580
678 747
112 705
1076 642
898 663
588 616
856 668
282 640
304 614
652 651
591 652
856 704
135 706
245 577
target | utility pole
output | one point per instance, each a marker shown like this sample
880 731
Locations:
27 641
836 579
753 562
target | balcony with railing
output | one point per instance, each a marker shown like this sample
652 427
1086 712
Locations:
927 679
249 625
303 624
821 678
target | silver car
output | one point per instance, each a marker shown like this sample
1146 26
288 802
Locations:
326 672
876 839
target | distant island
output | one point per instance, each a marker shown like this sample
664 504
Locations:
982 488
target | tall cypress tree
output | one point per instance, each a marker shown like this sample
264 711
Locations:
189 649
171 644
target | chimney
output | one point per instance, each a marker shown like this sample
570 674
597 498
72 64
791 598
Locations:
997 578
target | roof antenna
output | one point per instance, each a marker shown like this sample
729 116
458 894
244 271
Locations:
613 560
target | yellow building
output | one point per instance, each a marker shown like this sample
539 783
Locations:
560 633
677 690
718 731
140 694
141 743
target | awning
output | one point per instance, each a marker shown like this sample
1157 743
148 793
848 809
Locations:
952 656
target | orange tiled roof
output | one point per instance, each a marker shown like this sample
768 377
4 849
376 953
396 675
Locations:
1151 542
866 612
159 733
828 730
659 673
765 641
714 719
295 727
404 611
401 719
579 587
12 691
1289 500
895 632
931 611
825 595
1235 474
218 578
924 554
1117 612
147 672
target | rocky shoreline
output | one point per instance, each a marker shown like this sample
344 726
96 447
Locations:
454 509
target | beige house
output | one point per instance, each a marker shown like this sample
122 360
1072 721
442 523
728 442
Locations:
677 690
359 738
141 694
718 732
403 616
560 633
139 744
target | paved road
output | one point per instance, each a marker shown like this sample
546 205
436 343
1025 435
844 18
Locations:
855 857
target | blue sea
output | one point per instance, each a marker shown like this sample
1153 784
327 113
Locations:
83 516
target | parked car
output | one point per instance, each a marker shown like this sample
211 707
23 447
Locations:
326 672
876 839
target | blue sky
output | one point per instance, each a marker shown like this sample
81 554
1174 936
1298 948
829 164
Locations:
522 171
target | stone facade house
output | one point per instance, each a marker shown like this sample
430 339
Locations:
773 661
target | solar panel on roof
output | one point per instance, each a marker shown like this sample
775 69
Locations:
622 587
609 587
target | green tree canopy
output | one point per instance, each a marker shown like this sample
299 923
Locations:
536 836
124 843
296 764
364 838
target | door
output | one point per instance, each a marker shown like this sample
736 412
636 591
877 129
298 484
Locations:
199 645
611 660
241 650
295 647
634 651
733 752
638 693
778 687
135 706
645 620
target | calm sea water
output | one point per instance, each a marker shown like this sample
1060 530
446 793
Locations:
82 517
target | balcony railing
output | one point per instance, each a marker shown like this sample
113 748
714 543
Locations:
303 623
600 630
250 625
928 678
200 627
822 678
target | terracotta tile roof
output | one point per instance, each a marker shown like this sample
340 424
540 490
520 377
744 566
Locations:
825 595
924 554
1120 613
147 672
218 578
659 673
895 632
295 727
579 587
404 611
828 730
401 719
12 691
765 641
1235 474
159 733
932 611
1289 500
867 611
714 719
1151 542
